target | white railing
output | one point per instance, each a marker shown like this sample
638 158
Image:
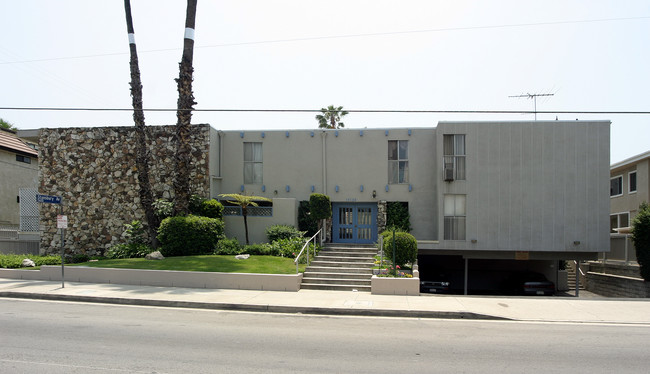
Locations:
306 245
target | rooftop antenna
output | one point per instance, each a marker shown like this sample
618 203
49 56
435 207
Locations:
534 97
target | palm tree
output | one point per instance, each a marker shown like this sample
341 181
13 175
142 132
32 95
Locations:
7 126
184 116
331 117
142 153
244 201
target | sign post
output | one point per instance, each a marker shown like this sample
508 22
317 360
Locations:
61 223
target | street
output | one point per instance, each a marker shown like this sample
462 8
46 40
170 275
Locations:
66 337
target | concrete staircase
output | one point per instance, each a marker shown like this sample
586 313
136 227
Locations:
341 268
571 277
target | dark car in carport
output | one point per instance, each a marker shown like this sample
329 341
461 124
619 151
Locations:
528 283
437 284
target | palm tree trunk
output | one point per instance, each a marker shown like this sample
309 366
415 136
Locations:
184 116
244 213
142 154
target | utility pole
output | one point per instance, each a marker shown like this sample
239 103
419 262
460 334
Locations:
534 97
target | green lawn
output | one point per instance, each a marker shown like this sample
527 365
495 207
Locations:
225 264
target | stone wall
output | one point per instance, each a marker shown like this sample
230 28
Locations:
94 171
616 280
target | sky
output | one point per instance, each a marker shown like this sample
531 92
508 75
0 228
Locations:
360 54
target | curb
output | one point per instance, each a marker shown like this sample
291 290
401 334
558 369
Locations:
255 308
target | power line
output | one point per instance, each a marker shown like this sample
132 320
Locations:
326 37
600 112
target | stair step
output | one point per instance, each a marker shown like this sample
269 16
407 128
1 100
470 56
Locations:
351 282
348 254
335 287
342 264
330 269
322 274
345 259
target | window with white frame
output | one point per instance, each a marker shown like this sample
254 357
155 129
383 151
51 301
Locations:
453 148
398 161
616 186
619 220
252 163
631 181
454 217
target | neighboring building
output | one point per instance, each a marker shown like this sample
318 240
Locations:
18 170
484 197
629 187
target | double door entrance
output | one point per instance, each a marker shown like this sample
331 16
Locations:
354 223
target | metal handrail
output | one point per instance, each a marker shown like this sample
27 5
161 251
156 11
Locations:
578 268
306 245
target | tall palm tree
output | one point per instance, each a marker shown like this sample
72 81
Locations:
244 201
331 117
184 116
142 152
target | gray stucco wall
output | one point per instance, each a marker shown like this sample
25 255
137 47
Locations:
350 160
15 175
533 186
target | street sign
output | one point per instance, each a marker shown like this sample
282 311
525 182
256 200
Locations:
47 199
61 222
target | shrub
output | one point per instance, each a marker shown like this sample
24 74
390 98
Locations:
211 208
320 206
189 235
306 222
196 202
11 261
405 244
128 251
641 239
228 246
276 232
163 208
77 258
397 215
263 249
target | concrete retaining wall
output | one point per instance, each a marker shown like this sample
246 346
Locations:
161 278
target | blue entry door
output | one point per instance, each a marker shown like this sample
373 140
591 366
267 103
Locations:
354 223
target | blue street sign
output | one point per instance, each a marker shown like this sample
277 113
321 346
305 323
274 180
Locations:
48 199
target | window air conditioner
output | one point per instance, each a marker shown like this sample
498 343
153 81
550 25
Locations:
449 173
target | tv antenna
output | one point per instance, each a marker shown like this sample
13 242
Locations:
534 97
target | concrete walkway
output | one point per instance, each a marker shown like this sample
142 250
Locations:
588 308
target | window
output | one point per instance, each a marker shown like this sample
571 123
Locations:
25 159
252 163
454 208
453 148
631 179
616 186
618 220
398 161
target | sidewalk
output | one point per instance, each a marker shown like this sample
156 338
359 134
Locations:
587 309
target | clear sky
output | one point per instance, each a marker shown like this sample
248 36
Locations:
374 54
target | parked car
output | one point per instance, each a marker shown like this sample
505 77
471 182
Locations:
437 284
528 283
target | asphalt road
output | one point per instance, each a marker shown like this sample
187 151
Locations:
64 337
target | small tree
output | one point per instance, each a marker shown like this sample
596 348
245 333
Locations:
7 126
330 117
320 208
641 239
397 215
406 247
244 201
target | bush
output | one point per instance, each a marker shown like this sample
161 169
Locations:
227 246
276 232
263 249
641 239
306 222
405 244
189 235
163 208
196 202
211 208
128 251
10 261
77 258
397 215
320 206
